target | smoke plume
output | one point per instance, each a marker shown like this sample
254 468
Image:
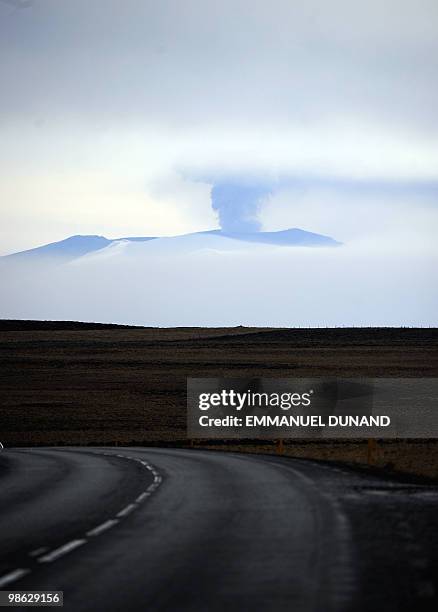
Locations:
238 205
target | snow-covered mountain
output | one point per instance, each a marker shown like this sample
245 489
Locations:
76 247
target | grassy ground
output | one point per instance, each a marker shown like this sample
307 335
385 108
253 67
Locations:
64 383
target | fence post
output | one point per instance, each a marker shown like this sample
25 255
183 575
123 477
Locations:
280 447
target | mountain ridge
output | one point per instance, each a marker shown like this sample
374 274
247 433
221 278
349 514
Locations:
79 245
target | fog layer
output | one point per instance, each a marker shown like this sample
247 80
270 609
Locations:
348 285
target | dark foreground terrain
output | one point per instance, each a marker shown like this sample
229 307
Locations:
192 530
64 383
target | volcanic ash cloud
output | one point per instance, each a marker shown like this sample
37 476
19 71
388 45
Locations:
238 205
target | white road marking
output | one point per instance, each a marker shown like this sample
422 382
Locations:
129 508
66 548
12 576
101 528
143 496
38 551
61 551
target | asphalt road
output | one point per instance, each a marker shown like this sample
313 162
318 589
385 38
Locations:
178 530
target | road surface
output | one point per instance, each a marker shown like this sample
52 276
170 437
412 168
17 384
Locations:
192 530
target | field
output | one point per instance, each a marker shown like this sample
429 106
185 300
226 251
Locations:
70 383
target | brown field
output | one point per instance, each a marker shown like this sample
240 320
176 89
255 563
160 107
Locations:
69 383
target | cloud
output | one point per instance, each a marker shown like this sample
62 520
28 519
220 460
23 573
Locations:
352 285
19 4
135 93
399 213
240 62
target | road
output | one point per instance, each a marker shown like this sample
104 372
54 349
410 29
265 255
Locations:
192 530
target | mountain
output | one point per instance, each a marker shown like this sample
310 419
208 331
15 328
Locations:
76 247
70 248
289 237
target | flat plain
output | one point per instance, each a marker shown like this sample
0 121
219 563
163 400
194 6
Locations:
64 383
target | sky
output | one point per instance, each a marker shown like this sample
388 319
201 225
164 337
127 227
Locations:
148 117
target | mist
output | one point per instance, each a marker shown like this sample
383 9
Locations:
347 286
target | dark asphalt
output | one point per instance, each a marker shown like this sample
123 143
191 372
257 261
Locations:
178 530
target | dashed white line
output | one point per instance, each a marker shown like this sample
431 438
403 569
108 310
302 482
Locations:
129 508
13 576
101 528
48 557
143 496
61 551
38 551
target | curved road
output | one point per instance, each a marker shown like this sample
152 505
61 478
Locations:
178 530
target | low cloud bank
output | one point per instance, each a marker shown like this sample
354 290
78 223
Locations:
271 287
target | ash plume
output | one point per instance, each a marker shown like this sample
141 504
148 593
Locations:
238 205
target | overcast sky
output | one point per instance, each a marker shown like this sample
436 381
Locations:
118 117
